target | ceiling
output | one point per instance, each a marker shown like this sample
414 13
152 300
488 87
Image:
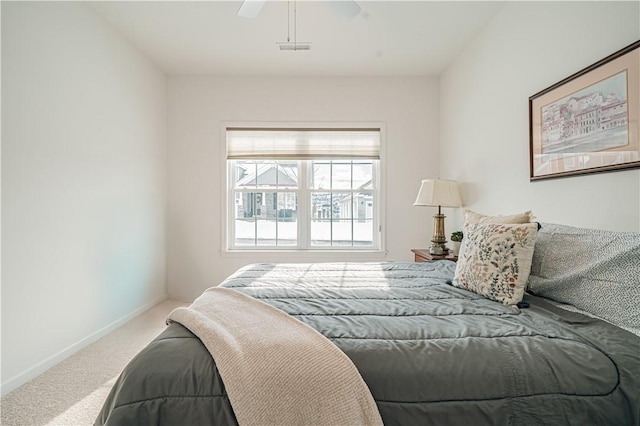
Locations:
386 38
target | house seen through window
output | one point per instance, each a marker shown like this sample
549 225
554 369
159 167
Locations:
303 189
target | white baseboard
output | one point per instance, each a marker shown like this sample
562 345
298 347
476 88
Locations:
43 366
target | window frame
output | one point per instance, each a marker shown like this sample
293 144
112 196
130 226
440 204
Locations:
303 247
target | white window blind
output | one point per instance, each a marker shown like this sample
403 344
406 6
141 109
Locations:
302 144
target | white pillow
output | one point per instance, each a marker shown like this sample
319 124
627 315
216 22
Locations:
473 217
495 260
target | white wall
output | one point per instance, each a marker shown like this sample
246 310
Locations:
484 112
83 184
199 106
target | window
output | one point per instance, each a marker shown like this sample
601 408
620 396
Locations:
303 189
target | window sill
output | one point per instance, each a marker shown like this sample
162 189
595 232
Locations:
306 255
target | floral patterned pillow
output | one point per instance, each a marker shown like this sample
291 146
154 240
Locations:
495 260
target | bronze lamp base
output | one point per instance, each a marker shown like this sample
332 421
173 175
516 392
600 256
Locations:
439 240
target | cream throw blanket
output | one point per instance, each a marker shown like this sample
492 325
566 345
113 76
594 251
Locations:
276 369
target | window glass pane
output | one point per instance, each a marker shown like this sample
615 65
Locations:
287 232
321 176
344 205
250 204
287 224
341 232
245 172
341 175
320 232
362 175
268 207
362 205
245 225
287 174
238 208
321 205
266 232
245 232
322 210
266 175
363 233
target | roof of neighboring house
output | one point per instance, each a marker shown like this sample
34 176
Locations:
270 174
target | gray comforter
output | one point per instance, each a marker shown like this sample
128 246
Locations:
429 352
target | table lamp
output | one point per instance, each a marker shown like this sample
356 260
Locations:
438 193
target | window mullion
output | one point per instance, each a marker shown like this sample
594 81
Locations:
353 204
376 197
331 204
277 190
231 204
253 209
304 200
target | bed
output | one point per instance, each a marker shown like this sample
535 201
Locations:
429 351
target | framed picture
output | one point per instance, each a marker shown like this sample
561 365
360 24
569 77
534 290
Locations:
589 121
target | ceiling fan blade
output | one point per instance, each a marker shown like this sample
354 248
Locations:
250 8
346 8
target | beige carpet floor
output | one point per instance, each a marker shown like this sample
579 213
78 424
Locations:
72 392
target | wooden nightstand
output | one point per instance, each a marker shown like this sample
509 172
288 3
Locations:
423 255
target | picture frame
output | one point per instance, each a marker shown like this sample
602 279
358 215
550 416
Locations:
588 122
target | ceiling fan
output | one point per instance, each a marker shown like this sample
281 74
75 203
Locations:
251 9
346 8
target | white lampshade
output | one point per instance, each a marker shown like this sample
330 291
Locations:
438 192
